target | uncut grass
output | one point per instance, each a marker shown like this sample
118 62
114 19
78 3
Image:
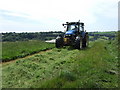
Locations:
13 50
64 68
89 71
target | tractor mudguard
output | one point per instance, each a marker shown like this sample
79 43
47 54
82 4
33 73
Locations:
59 37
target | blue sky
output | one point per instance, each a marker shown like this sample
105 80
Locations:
48 15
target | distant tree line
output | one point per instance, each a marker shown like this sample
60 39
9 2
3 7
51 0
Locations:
12 36
96 35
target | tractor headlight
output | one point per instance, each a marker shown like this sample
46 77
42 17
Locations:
68 35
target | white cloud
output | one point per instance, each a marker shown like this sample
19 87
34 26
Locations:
53 13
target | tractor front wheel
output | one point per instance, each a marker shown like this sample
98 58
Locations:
78 43
59 42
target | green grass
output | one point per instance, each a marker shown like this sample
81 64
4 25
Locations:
13 50
93 67
109 32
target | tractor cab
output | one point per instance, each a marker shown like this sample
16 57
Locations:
74 28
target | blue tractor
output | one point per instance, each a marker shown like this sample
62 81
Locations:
74 36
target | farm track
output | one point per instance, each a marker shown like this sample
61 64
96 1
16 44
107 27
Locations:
43 51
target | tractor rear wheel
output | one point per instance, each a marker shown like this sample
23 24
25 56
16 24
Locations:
84 42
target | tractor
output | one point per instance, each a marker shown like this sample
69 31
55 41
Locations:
75 36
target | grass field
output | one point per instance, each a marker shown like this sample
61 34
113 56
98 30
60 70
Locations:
93 67
112 32
13 50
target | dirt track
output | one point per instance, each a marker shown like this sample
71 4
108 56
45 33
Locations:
25 57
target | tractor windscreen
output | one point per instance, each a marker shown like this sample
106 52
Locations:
72 27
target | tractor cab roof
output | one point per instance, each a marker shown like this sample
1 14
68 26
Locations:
74 23
79 26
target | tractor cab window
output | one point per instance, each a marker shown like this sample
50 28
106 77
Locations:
72 27
81 28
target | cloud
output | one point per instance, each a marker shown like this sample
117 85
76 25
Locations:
50 14
16 22
119 16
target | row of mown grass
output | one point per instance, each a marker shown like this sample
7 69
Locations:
93 67
96 67
14 50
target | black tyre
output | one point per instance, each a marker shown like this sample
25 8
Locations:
87 39
84 42
59 42
78 44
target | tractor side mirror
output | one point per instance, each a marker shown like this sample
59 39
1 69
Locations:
64 26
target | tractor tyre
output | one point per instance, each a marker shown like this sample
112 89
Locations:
84 42
59 42
87 39
78 44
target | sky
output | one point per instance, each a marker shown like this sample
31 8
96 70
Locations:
49 15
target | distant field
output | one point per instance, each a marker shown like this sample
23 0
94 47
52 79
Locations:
13 50
109 32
